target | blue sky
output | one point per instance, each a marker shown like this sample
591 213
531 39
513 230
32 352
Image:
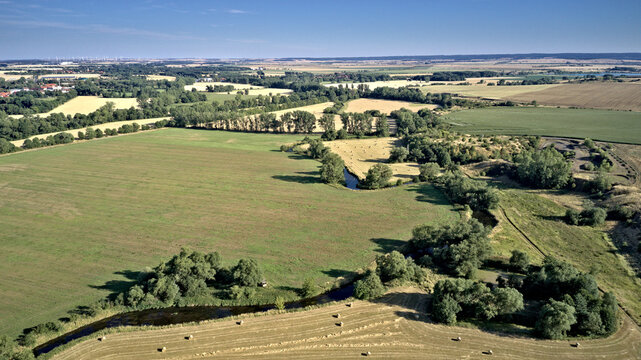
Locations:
263 29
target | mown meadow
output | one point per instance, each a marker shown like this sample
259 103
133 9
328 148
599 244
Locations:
78 221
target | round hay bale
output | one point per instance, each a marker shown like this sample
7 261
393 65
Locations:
240 322
340 323
458 338
102 338
190 337
490 352
163 349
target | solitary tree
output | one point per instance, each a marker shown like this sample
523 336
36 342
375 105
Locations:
369 287
378 176
332 169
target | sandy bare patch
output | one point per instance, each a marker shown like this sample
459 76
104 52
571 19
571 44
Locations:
360 155
160 77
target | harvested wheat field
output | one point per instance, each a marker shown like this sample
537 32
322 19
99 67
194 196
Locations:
361 154
598 95
7 77
394 326
160 77
110 125
484 91
384 106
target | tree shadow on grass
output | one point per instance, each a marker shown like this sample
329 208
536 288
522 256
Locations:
387 245
428 193
116 287
301 179
339 273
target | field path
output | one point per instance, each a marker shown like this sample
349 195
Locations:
396 326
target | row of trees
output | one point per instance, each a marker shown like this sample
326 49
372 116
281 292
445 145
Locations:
390 268
26 126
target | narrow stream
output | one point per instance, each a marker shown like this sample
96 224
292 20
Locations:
351 181
178 315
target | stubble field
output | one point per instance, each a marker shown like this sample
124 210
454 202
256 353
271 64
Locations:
394 326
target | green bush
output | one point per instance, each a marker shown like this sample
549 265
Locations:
429 171
332 169
369 287
377 177
398 155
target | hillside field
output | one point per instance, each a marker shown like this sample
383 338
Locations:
76 219
605 125
394 326
596 95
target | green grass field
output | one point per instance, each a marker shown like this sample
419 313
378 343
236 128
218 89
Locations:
75 217
606 125
588 248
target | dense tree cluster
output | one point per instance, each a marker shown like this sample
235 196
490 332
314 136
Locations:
456 299
408 122
546 168
34 102
593 216
424 149
463 190
574 304
460 247
191 275
415 95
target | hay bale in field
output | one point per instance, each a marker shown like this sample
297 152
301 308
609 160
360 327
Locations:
102 338
337 316
240 322
490 352
339 324
349 304
190 337
162 349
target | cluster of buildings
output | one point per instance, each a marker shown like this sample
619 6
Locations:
42 88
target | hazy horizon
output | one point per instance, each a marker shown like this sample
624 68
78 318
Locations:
39 29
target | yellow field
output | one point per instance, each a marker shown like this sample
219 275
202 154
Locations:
361 154
384 106
86 105
482 90
597 95
395 326
111 125
160 77
13 77
77 76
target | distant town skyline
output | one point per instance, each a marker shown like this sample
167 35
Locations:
260 29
